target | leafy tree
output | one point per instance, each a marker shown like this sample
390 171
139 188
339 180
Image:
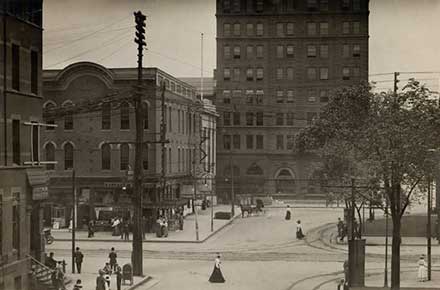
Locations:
382 139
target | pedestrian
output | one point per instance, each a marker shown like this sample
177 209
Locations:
118 277
288 213
299 230
115 226
126 231
422 274
78 259
54 278
121 228
165 227
78 285
50 262
107 269
340 227
144 227
107 281
345 266
90 228
159 227
217 276
113 259
100 281
181 221
60 276
70 225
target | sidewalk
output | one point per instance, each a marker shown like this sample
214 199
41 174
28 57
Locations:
188 235
88 281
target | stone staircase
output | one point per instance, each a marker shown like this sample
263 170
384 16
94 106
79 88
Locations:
42 276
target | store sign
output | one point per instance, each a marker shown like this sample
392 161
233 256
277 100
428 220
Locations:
40 192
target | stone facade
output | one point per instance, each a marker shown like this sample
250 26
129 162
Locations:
278 63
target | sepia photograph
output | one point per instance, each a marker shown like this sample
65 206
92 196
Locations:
219 144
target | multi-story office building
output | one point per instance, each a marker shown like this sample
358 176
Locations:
22 182
278 63
95 135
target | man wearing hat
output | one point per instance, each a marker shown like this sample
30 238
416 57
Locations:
100 281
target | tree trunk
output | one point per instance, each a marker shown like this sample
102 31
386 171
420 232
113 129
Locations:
395 258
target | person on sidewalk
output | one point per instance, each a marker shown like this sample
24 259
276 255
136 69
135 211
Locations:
60 276
91 230
121 228
217 276
340 227
113 259
107 269
422 274
118 272
165 228
78 285
50 262
107 281
126 231
78 259
299 230
181 221
100 281
288 213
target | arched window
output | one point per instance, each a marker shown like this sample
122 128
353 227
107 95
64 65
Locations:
68 156
50 155
106 157
125 116
145 108
49 119
285 182
125 156
68 116
106 116
254 169
145 157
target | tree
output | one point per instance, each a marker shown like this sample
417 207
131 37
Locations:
383 139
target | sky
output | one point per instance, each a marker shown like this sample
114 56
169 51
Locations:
402 35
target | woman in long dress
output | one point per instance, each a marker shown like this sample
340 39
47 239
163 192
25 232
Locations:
217 276
422 274
288 213
299 231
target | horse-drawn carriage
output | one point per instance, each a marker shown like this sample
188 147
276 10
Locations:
251 209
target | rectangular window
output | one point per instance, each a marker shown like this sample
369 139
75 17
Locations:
356 72
227 118
279 119
249 97
236 94
35 142
311 50
227 74
280 97
226 96
311 28
356 50
291 5
249 141
323 5
260 29
227 52
345 50
236 6
236 118
280 51
106 116
16 222
323 51
250 74
290 96
311 73
289 119
345 4
290 28
249 51
250 29
259 97
290 142
323 73
236 74
323 96
260 74
280 142
249 119
345 27
237 52
289 51
312 4
260 119
356 5
227 6
227 142
345 73
260 6
280 73
226 29
15 67
323 28
34 72
236 141
260 142
289 73
312 96
237 29
356 27
16 146
260 50
280 29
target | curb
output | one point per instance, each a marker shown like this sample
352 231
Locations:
142 282
157 241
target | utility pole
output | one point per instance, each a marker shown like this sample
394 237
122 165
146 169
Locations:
201 69
385 279
212 198
73 219
137 254
352 209
428 228
232 186
195 197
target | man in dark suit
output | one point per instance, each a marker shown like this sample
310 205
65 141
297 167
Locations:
78 259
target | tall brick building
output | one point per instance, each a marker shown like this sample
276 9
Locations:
22 182
278 62
103 170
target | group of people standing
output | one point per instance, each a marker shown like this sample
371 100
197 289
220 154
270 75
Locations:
299 231
57 273
104 278
121 228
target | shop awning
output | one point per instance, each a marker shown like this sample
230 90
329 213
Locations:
38 180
